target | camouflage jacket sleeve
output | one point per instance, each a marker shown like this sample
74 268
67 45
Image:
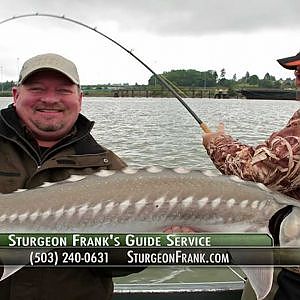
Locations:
276 162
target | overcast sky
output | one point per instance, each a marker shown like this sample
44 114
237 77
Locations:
238 35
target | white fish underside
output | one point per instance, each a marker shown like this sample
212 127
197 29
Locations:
147 200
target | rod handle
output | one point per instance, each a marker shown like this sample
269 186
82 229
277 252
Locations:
205 128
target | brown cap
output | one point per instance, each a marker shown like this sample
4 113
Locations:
49 61
291 62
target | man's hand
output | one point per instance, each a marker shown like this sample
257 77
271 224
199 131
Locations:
207 137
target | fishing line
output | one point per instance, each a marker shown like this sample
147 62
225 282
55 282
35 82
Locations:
159 78
237 274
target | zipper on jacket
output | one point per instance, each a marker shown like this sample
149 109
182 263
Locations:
61 147
40 160
37 162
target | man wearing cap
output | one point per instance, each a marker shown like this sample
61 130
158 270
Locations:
293 63
268 163
43 137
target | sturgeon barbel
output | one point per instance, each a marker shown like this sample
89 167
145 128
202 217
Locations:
149 200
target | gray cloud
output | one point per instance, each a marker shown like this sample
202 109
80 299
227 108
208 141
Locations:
172 17
171 33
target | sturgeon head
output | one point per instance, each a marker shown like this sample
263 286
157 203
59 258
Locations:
147 200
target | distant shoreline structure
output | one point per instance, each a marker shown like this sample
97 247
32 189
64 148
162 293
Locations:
211 93
269 94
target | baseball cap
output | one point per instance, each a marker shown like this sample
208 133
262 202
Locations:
49 61
291 62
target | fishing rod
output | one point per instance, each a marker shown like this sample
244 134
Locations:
159 78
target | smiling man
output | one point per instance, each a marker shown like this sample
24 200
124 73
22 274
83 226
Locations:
44 137
47 99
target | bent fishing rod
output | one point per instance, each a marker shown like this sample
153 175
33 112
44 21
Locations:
159 78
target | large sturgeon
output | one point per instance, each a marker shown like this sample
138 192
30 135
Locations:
149 200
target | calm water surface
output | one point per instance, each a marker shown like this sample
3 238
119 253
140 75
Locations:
160 131
146 131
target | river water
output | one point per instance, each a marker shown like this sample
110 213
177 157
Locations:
160 131
147 131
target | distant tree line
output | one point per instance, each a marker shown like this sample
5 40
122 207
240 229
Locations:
7 85
210 78
198 79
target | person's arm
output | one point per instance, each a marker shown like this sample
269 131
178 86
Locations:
275 163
